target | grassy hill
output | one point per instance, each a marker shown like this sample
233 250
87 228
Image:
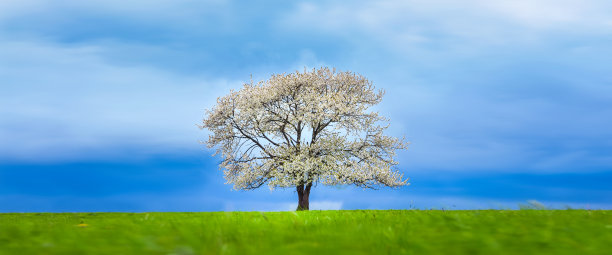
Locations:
312 232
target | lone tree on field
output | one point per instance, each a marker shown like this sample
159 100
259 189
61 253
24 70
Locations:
300 129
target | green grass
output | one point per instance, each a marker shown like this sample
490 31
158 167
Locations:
313 232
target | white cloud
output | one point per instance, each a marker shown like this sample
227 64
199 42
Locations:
12 8
152 9
547 13
314 205
326 205
400 24
61 102
264 206
475 203
438 60
53 19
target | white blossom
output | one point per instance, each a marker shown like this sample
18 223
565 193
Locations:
304 128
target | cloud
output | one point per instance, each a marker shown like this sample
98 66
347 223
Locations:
409 27
151 10
547 14
474 203
259 205
65 102
481 85
319 205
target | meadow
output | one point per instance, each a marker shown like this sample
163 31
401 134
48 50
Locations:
310 232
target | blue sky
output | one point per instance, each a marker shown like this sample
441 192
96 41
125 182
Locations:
503 101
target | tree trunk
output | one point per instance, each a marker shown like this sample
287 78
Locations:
303 194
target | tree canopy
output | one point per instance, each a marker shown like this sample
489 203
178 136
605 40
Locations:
304 128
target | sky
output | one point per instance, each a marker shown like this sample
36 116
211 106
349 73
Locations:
505 103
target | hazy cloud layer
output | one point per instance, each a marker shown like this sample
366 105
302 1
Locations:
517 86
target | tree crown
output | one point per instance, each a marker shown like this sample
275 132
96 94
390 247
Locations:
303 128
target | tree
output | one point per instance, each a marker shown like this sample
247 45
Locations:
304 128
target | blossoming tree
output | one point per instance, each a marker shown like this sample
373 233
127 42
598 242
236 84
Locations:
301 129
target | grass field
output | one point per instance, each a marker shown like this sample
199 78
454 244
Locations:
312 232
